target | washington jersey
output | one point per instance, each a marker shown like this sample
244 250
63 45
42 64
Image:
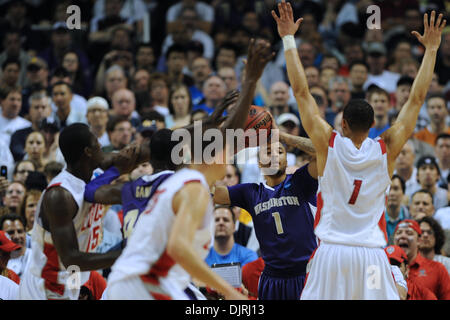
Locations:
46 277
145 255
135 195
351 198
282 217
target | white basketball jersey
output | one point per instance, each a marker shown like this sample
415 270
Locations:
44 262
351 195
145 254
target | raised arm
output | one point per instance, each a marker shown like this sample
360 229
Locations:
189 216
404 126
317 128
59 208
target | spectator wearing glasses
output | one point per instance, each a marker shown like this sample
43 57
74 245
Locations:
14 195
432 240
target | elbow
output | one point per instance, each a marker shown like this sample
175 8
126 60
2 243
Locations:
175 248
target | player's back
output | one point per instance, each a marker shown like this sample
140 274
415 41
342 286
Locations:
49 275
135 195
145 255
351 198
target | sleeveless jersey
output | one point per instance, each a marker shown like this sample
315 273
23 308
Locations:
283 219
352 193
135 195
44 262
146 255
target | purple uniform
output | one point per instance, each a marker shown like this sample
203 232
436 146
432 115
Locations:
284 227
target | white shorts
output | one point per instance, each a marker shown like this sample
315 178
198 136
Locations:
33 288
343 272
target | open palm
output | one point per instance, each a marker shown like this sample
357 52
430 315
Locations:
431 38
285 22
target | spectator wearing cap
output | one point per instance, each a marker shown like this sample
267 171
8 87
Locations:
397 258
14 225
120 132
432 240
97 118
8 249
379 99
378 75
13 49
424 272
65 115
61 42
428 175
437 113
395 210
124 105
442 152
289 123
145 130
180 106
40 109
358 72
37 79
10 121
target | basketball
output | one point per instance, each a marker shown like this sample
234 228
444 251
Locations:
258 118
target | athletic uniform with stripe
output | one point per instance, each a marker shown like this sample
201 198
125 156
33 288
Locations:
135 196
350 262
284 225
145 270
46 277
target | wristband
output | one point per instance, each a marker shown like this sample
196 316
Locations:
289 42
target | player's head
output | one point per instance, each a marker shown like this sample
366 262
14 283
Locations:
406 236
161 146
272 159
358 117
78 144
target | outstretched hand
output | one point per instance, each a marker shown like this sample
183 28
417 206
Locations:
259 54
431 38
285 22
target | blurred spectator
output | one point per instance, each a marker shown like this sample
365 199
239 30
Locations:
225 249
358 72
115 79
338 122
424 272
352 53
421 204
409 67
428 175
176 61
180 106
226 56
442 151
198 114
379 100
279 99
36 180
326 74
29 207
443 60
39 110
10 121
145 57
378 75
35 149
201 69
141 81
204 11
14 226
432 240
80 79
402 92
395 210
14 196
159 92
144 131
214 90
37 74
437 112
155 116
10 73
442 215
228 75
401 51
52 169
312 76
50 129
289 123
307 53
97 118
22 169
340 95
65 115
15 19
320 95
405 168
124 105
8 249
120 133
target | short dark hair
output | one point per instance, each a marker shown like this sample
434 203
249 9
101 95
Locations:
357 62
423 191
439 234
12 217
161 146
223 206
72 141
152 115
5 91
359 115
60 83
375 89
402 182
435 95
10 60
113 121
176 47
53 168
405 80
442 136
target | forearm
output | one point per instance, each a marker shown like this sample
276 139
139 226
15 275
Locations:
302 143
91 191
92 261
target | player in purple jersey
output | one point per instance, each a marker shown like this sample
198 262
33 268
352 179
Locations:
282 217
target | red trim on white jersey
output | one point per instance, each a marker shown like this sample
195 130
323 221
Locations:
383 226
50 270
331 142
53 185
382 145
159 269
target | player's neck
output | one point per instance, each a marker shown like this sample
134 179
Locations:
80 172
357 138
275 180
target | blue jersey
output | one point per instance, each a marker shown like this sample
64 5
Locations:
135 196
238 253
282 217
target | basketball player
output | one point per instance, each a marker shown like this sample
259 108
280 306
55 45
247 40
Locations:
354 173
282 217
67 229
172 236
